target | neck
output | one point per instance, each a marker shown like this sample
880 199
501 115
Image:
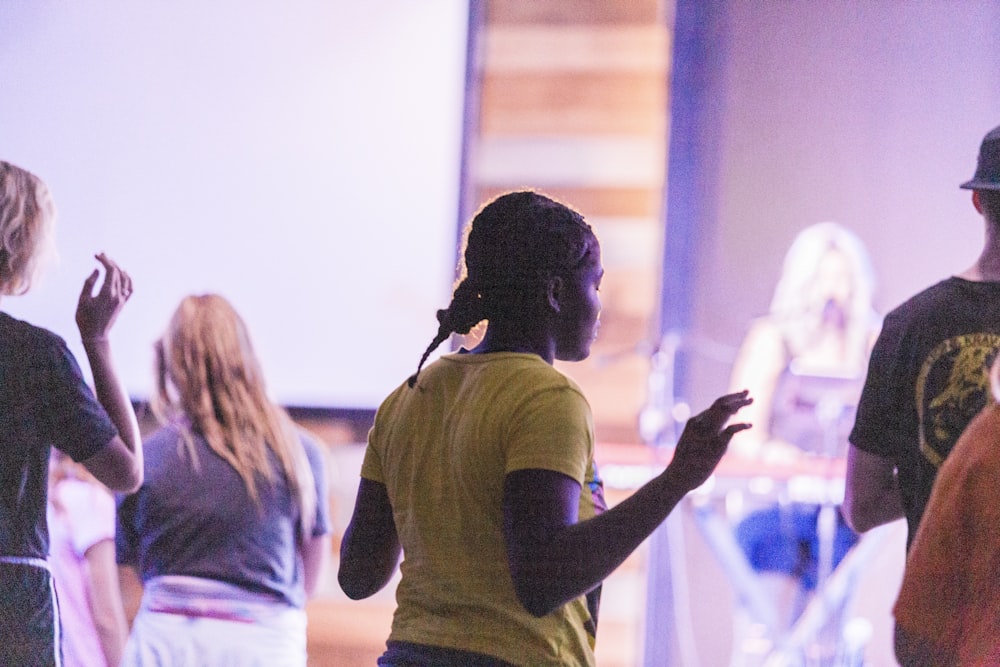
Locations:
987 267
499 339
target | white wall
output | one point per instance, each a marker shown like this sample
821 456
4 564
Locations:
300 158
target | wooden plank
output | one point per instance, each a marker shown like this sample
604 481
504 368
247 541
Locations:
577 49
631 244
597 201
582 161
575 103
576 12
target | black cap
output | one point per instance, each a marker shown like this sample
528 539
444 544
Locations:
988 169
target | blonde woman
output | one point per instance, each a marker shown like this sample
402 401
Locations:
45 403
230 530
805 362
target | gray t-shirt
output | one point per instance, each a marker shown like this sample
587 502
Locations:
203 523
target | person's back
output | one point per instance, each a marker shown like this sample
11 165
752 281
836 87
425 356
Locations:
198 520
230 529
481 466
928 376
444 450
45 403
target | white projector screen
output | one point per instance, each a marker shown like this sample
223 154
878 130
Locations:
301 158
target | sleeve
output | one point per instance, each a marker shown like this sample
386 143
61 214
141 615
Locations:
317 462
552 430
72 417
880 426
91 514
371 465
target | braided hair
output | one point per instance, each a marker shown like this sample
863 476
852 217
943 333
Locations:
513 245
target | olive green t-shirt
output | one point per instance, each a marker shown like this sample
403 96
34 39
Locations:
442 449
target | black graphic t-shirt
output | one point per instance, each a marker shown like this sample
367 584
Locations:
928 376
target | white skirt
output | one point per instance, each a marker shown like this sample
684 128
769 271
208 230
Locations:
188 622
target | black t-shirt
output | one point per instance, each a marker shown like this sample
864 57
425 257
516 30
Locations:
44 403
927 377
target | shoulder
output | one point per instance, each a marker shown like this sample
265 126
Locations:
948 288
165 434
161 448
314 449
13 327
33 341
764 335
85 501
922 306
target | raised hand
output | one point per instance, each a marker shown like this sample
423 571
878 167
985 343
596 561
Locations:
96 313
705 439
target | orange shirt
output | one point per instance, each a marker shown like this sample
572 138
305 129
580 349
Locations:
950 596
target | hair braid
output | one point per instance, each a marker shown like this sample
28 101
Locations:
464 312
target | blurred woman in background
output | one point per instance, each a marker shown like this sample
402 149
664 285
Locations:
230 530
805 363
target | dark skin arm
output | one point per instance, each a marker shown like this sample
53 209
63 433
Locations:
872 495
554 558
370 548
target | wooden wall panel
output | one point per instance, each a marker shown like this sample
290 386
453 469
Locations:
596 201
573 12
622 48
573 102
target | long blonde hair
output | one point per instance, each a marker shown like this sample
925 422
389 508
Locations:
794 307
27 221
209 380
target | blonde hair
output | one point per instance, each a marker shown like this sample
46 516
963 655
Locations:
209 380
27 220
793 306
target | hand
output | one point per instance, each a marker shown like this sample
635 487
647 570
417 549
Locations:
96 313
705 439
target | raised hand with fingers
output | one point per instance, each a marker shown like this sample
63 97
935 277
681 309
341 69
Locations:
96 313
705 439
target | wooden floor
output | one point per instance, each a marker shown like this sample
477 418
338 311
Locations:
348 633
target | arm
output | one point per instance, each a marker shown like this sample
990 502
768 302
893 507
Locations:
871 496
370 548
130 586
315 555
106 600
554 559
118 465
758 364
761 359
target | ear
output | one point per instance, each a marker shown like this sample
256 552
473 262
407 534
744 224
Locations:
553 293
976 201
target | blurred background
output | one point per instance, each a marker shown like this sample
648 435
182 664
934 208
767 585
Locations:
314 161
